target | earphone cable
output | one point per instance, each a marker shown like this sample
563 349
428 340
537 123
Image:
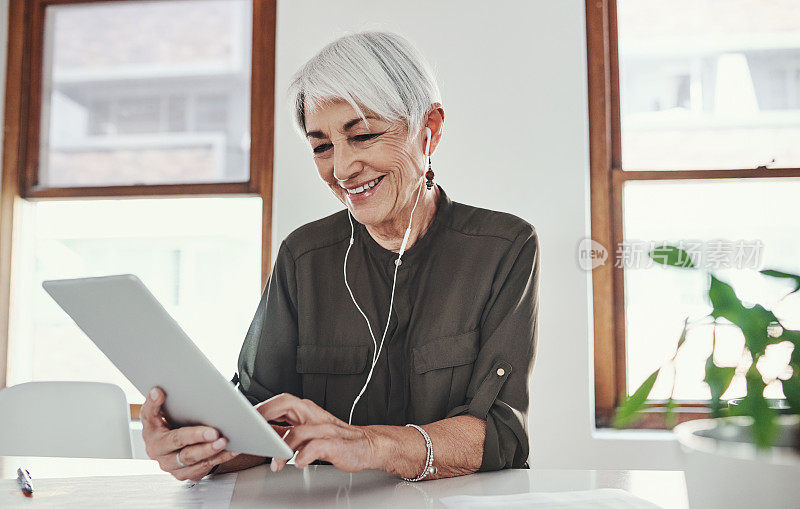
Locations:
376 349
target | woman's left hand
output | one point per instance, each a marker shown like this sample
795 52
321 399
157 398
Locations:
318 435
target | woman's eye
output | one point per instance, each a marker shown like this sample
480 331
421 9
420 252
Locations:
319 149
365 137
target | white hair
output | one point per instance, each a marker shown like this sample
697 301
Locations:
380 71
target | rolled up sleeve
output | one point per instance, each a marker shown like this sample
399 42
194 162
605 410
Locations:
498 390
268 356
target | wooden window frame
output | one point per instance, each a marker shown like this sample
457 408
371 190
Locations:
607 179
21 140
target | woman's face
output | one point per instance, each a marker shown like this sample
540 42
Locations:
361 156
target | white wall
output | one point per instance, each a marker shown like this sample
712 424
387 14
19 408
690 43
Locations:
513 81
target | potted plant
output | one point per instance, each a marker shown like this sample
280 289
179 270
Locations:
748 453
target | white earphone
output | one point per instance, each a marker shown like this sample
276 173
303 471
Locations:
427 141
378 348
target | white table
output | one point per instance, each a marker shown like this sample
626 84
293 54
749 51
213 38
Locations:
324 486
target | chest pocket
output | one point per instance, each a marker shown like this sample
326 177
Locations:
331 374
442 372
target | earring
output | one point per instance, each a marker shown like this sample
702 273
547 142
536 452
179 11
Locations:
429 175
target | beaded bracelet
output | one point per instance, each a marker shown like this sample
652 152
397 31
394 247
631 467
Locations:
429 468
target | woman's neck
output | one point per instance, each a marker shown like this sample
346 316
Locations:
390 236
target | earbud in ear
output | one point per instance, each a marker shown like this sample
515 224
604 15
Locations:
428 174
428 135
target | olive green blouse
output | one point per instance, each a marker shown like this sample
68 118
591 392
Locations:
461 338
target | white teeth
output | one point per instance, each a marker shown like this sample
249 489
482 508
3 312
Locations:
361 189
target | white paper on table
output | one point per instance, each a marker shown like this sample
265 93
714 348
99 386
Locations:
151 491
604 498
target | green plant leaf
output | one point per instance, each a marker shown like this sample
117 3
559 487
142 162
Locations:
718 380
777 273
794 337
756 321
723 298
682 339
752 321
764 429
791 389
627 412
671 255
791 386
670 418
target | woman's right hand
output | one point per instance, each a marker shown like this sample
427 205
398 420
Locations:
200 447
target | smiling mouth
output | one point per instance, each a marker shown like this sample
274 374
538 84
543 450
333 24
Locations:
366 187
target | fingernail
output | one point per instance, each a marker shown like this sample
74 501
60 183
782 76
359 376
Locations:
219 444
153 394
272 465
210 434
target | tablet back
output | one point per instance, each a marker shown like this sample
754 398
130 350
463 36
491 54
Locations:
128 324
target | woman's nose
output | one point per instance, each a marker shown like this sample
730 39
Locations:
345 164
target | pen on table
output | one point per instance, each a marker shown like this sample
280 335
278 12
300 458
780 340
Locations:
24 482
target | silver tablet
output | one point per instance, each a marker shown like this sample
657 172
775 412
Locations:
129 325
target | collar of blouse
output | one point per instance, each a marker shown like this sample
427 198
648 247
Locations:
421 245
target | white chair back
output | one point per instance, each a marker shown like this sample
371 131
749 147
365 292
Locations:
71 419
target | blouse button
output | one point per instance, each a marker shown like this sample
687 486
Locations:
501 371
398 262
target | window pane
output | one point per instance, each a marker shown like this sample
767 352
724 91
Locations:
709 84
727 224
146 93
201 258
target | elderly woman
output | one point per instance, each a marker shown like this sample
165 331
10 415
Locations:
398 334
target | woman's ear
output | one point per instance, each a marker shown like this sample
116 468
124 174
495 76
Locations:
436 125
